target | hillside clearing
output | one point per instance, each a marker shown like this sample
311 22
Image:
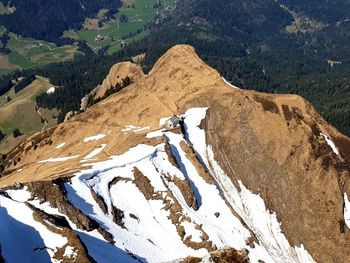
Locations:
20 113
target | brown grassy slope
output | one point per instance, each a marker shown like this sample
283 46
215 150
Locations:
272 143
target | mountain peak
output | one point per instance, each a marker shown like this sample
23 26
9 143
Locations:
182 67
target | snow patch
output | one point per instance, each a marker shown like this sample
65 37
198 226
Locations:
20 195
60 145
228 83
94 138
70 252
191 230
51 90
59 159
331 144
163 121
97 246
346 210
225 230
154 134
133 128
149 232
95 152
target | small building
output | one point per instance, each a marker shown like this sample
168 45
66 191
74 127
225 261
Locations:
173 122
100 37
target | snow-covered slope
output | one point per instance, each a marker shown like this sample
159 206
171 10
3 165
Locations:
158 203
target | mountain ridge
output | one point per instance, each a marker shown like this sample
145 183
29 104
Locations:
274 149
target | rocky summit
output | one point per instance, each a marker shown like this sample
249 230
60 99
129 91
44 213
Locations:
179 166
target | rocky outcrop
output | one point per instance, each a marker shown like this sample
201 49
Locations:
53 192
120 76
58 224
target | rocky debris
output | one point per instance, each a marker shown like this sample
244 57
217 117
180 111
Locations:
172 205
118 216
186 191
53 192
205 243
191 155
57 220
100 201
144 184
227 255
171 157
59 225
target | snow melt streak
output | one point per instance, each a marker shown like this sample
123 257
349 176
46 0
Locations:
331 144
346 210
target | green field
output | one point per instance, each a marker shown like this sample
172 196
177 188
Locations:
16 58
27 53
117 33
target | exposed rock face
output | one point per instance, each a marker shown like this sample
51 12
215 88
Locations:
275 149
53 193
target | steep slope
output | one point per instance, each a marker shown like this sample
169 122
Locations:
263 174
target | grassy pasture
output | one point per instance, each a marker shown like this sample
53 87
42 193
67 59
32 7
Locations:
116 33
20 112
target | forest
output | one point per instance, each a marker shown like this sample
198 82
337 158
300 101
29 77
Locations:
246 42
47 20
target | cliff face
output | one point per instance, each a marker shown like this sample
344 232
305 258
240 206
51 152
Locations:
239 163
